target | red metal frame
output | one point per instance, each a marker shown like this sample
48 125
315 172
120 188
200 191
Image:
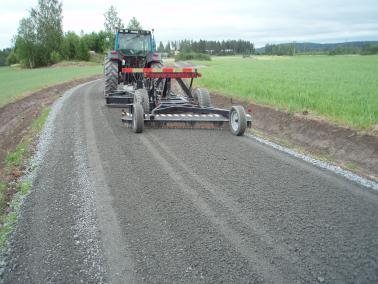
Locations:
164 73
172 75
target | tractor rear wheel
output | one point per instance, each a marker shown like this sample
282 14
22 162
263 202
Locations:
141 97
238 120
202 97
138 118
111 76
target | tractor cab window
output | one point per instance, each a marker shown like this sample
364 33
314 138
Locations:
136 44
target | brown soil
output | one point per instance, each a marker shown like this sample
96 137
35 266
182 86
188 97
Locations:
73 63
343 146
16 117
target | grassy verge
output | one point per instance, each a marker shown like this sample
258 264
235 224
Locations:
343 89
8 219
13 190
16 82
16 158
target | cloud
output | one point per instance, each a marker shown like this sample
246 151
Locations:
259 21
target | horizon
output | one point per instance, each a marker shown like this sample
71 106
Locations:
260 22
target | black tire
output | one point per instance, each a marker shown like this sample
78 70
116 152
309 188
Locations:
153 83
141 97
138 118
202 97
238 120
111 76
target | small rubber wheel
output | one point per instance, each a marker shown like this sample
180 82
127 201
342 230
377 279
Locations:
138 118
202 97
238 120
141 97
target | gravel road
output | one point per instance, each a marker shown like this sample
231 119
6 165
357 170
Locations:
191 206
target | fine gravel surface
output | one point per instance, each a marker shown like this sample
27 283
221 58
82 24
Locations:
192 206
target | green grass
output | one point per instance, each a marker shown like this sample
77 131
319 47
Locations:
343 89
16 157
3 199
16 82
38 123
8 220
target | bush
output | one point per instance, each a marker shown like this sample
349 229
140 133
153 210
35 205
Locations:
12 58
83 51
54 57
70 45
192 56
95 41
3 56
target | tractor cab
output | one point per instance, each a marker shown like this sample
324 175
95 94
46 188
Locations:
134 42
134 49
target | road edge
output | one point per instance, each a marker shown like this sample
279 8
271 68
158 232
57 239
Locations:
318 163
32 164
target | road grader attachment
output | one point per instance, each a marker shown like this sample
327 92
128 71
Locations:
136 81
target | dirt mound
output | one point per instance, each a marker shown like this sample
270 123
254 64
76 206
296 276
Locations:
65 64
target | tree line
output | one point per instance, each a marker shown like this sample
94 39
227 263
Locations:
369 49
280 49
228 47
366 49
291 49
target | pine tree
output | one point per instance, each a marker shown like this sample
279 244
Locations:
168 48
161 47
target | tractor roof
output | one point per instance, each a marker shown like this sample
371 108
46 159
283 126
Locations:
130 31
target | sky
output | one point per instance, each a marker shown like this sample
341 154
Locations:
260 21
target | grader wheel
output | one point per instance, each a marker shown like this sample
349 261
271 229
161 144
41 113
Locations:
202 97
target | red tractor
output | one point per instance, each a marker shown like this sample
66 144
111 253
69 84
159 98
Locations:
135 79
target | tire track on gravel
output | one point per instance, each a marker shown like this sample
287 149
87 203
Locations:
121 267
261 266
279 251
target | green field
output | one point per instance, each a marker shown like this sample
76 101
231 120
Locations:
16 82
343 89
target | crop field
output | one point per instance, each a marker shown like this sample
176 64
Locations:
343 89
15 82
